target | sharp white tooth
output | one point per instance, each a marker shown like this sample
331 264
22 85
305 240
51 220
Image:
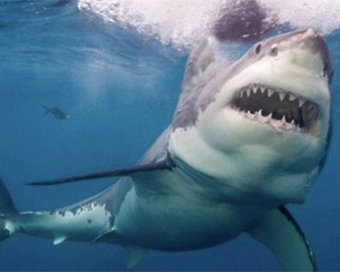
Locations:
275 124
262 90
301 102
262 119
283 120
270 116
289 126
248 92
270 92
282 96
250 115
241 94
292 97
292 123
254 90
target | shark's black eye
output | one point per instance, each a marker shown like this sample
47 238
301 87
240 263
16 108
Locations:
258 48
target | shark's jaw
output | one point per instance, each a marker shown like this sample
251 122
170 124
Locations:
265 134
276 108
287 87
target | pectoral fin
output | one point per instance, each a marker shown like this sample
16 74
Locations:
162 165
135 255
282 235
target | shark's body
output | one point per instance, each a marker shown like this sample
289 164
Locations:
223 167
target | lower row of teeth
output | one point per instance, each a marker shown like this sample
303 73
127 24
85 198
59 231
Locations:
277 124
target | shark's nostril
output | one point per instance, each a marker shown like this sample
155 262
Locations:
274 50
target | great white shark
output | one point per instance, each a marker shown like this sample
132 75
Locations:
248 137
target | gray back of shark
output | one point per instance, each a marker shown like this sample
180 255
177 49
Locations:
182 195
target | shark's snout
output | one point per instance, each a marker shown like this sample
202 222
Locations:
309 50
317 44
313 41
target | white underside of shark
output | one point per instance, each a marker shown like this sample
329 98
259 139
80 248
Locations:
223 167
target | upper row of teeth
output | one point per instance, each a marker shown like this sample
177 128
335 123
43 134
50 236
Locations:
270 92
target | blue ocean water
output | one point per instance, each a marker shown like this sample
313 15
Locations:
120 87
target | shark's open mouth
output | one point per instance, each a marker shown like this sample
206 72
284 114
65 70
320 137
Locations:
276 107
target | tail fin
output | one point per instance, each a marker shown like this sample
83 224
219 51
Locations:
6 207
47 110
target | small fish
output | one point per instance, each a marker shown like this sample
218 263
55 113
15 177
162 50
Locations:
57 113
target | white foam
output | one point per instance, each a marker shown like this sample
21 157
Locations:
322 15
175 22
182 22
